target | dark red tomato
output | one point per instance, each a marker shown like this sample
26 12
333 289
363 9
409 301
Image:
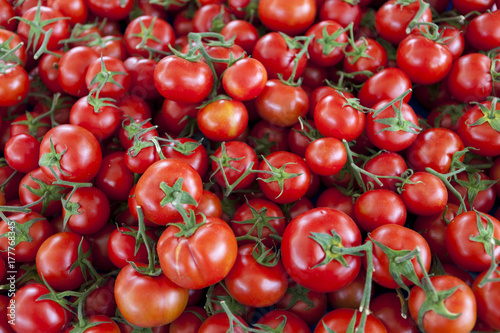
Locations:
326 156
91 210
470 79
10 180
223 120
254 284
378 207
103 123
183 81
483 32
384 164
278 188
265 137
122 243
336 119
423 60
48 70
487 299
6 13
160 178
60 27
425 194
201 259
338 320
275 318
323 54
141 73
245 80
99 243
50 316
190 151
114 10
281 104
433 229
79 151
290 17
297 140
466 6
246 35
138 161
466 252
484 199
259 218
114 178
240 158
397 238
303 256
219 322
22 152
349 296
209 205
387 84
314 76
455 41
189 321
176 115
211 18
341 12
462 274
334 198
392 19
14 85
387 308
147 34
110 89
476 129
55 257
73 68
101 324
434 148
26 248
277 56
368 55
461 302
494 173
400 135
148 301
75 10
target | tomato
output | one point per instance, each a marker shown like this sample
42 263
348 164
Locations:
387 308
110 89
321 52
423 60
368 55
114 178
392 19
78 150
183 81
434 148
6 12
30 225
266 138
326 156
473 184
281 104
73 67
461 301
21 152
145 35
189 321
389 83
384 164
275 318
200 259
245 34
148 301
219 322
75 10
338 320
290 17
101 301
245 80
33 315
294 175
102 324
341 12
190 151
462 243
121 246
303 256
487 299
378 207
334 198
91 210
483 32
425 195
349 296
113 10
223 120
211 18
14 84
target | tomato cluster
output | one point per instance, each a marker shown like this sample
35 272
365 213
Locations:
249 166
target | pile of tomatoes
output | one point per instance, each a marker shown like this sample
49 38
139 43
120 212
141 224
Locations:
249 166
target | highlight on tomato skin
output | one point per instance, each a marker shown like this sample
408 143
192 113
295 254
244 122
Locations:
249 165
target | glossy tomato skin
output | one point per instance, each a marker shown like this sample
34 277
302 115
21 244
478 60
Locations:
483 32
148 301
72 69
397 238
245 80
325 29
389 83
219 322
294 324
338 320
21 152
121 247
385 164
387 308
465 252
55 257
188 321
427 196
469 78
197 158
326 156
38 316
378 207
82 157
162 35
223 120
200 260
253 284
290 17
113 10
293 188
149 194
14 85
183 81
487 297
300 253
114 178
461 301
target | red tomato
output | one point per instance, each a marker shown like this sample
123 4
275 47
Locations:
338 320
325 54
122 243
387 84
425 195
223 120
275 318
290 17
146 34
22 152
387 308
326 156
245 80
378 207
487 299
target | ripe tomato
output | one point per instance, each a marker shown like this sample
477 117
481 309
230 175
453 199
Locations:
487 299
389 83
121 246
425 195
138 40
275 318
378 207
326 156
73 68
338 321
109 89
21 152
102 123
223 120
483 32
245 80
384 164
290 17
14 85
324 54
387 308
303 256
148 301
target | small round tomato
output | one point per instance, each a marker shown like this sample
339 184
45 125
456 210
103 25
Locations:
424 194
122 246
290 17
73 67
147 34
387 84
321 52
487 299
22 152
245 80
378 207
339 321
384 164
326 156
14 84
223 120
112 89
